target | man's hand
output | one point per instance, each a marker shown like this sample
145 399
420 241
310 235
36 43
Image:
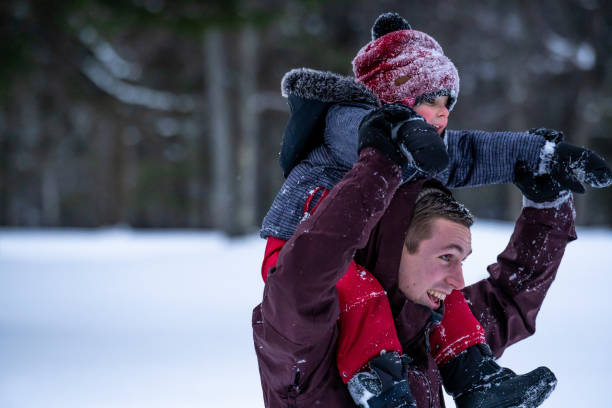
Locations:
404 137
420 142
537 188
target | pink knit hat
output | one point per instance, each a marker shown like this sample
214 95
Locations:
405 65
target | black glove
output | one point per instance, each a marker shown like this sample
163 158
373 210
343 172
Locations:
536 188
391 369
571 166
551 135
420 142
404 137
539 188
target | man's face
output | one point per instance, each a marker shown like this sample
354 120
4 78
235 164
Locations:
435 112
434 271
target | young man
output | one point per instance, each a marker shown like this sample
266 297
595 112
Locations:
368 217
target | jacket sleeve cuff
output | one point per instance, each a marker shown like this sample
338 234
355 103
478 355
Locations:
546 155
564 196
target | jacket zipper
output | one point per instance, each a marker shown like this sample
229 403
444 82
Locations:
428 328
294 390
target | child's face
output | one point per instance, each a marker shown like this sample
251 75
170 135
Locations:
435 112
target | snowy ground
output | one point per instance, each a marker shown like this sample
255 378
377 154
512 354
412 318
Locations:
116 318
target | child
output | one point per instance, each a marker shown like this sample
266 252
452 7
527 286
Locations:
320 145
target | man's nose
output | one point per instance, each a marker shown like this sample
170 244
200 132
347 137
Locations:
455 278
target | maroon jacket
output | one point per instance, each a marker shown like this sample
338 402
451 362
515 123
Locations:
366 216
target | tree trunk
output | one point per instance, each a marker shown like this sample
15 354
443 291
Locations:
49 193
31 121
220 136
518 121
249 126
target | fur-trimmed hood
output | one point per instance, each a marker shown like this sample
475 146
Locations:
310 94
325 86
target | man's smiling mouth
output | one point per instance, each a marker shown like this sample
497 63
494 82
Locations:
436 294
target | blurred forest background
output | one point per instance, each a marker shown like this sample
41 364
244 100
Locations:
159 113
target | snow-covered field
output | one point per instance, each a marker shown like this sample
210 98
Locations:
117 318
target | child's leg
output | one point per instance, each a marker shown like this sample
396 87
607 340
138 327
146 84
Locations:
457 331
366 322
468 369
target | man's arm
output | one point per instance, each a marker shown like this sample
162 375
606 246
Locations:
302 288
507 302
295 327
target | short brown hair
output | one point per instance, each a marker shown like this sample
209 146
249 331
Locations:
433 205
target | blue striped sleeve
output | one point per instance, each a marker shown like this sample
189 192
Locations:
479 158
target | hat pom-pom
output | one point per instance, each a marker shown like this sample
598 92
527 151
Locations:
387 23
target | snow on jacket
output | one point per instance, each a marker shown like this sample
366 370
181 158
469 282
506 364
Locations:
365 218
320 146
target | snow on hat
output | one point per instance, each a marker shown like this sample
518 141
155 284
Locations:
405 65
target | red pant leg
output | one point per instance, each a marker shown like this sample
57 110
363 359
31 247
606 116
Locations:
273 248
457 331
366 322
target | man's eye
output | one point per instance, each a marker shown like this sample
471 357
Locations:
446 258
